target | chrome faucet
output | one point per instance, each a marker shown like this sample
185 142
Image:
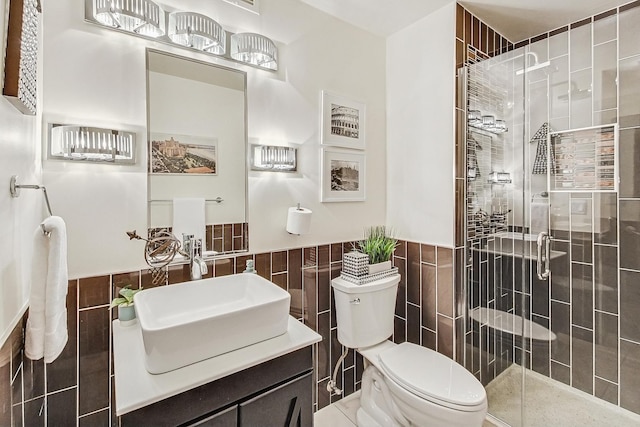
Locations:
197 265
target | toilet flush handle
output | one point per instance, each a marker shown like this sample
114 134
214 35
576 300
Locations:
355 301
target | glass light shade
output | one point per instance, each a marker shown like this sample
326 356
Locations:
474 117
273 158
138 16
254 49
69 142
500 178
197 31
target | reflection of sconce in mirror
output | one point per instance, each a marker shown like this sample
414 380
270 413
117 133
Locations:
487 122
141 17
71 142
500 178
273 158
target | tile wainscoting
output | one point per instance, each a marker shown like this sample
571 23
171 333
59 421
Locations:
77 389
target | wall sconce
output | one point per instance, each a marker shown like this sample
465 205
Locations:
72 142
187 29
500 178
273 158
254 49
139 16
197 31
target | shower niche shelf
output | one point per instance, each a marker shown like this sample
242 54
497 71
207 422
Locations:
585 159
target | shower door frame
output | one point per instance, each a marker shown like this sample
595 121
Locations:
526 286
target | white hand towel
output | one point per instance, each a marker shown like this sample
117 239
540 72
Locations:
46 333
188 218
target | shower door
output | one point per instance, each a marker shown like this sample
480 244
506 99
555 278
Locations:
551 250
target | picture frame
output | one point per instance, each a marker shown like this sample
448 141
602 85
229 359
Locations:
173 154
343 175
250 5
343 121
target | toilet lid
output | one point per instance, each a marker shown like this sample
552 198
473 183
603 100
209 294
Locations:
431 375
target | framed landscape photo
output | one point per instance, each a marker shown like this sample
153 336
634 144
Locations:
183 154
343 121
343 175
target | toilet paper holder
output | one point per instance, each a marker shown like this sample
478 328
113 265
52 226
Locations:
298 220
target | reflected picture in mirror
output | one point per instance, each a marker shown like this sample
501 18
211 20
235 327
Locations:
183 154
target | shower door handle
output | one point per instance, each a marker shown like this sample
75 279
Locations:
543 259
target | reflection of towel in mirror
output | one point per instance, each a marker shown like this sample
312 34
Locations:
188 218
46 332
539 216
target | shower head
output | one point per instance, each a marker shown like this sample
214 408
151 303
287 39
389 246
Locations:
535 66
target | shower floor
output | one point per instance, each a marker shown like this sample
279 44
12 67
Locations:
551 403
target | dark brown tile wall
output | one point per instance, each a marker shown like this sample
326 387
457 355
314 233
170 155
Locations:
226 238
79 384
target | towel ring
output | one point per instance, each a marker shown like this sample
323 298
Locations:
14 189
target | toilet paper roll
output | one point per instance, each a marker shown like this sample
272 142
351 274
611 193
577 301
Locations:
298 220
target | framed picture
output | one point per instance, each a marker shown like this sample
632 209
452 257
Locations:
342 121
250 5
343 175
183 154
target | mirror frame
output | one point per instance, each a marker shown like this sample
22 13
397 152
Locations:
245 231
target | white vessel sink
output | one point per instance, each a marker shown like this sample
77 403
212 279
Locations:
188 322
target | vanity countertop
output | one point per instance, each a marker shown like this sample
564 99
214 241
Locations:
136 388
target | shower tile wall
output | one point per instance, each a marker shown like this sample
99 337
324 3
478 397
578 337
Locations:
78 386
591 303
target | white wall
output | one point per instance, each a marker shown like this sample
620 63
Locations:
420 129
97 76
19 217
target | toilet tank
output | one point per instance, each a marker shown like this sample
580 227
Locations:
364 313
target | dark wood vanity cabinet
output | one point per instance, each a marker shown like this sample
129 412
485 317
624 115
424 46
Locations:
276 393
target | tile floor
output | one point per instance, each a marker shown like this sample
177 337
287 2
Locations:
343 413
551 403
340 414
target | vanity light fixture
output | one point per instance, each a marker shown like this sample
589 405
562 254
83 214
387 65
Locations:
273 158
254 49
500 178
72 142
487 122
197 31
193 30
138 16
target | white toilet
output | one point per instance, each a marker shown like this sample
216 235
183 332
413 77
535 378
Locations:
403 384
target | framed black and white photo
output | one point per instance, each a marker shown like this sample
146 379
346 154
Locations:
343 175
250 5
183 154
343 121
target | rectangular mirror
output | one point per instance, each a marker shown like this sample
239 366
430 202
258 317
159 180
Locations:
197 138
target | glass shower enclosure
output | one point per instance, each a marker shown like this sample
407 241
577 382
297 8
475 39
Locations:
552 245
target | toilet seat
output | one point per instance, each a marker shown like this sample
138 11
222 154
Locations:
445 382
